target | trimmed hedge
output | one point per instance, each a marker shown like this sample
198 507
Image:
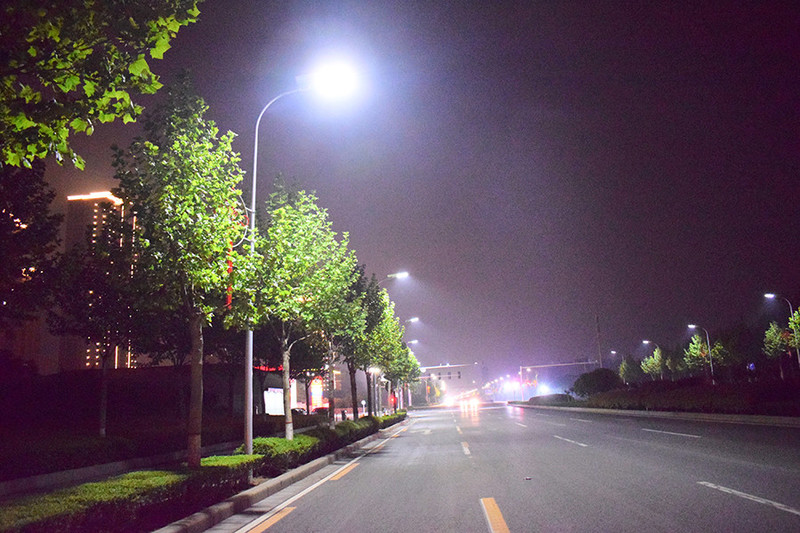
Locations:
146 500
127 501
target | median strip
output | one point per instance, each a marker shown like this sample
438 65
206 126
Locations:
494 517
750 497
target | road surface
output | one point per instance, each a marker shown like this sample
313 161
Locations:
506 468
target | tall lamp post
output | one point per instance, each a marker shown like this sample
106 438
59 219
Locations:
772 296
336 80
708 343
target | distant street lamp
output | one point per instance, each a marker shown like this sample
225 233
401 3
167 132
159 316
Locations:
413 319
396 275
772 296
651 342
414 341
334 80
708 343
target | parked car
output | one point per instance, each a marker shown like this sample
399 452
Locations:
298 411
321 411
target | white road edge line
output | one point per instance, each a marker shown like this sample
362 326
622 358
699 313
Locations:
523 425
571 441
275 510
750 497
580 420
673 433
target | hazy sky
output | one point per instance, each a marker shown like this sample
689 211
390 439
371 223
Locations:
532 164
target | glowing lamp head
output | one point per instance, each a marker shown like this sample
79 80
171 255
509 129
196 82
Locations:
335 80
769 296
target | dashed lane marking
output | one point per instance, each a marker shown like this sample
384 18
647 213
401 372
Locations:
571 441
494 518
274 519
343 472
520 424
672 433
465 447
750 497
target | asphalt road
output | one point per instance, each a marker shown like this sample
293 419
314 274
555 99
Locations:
513 469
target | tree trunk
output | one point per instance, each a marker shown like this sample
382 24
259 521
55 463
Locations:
195 423
370 410
307 386
287 390
103 392
351 369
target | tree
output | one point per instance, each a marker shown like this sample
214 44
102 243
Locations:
66 65
302 275
28 241
596 381
630 370
654 365
180 180
776 344
696 356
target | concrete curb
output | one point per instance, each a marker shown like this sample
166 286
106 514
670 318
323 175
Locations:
210 516
753 420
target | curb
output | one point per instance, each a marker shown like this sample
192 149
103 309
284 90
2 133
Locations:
214 514
753 420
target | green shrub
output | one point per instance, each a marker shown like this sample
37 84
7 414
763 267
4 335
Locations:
392 419
552 399
279 454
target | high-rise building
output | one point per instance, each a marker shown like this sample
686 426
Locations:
86 219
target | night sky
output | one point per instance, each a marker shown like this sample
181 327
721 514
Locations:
532 164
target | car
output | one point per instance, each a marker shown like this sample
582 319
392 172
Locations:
298 411
321 411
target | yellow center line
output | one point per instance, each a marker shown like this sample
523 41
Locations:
494 517
343 471
274 519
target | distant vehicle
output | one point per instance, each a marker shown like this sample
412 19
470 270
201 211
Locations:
298 411
321 411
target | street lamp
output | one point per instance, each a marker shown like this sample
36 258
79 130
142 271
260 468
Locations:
413 319
772 296
708 343
651 342
334 80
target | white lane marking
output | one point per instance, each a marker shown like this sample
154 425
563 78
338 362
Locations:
750 497
672 433
278 508
555 424
571 441
458 429
523 425
465 447
580 420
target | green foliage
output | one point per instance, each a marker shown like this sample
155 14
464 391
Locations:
776 341
70 64
281 454
655 364
599 380
561 400
28 240
91 505
630 370
696 356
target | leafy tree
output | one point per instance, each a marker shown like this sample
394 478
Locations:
630 370
180 180
696 356
794 339
66 65
596 381
299 284
654 364
28 240
776 344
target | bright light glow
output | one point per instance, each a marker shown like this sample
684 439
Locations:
333 80
645 342
769 295
399 275
100 195
374 370
692 326
415 341
543 389
413 319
